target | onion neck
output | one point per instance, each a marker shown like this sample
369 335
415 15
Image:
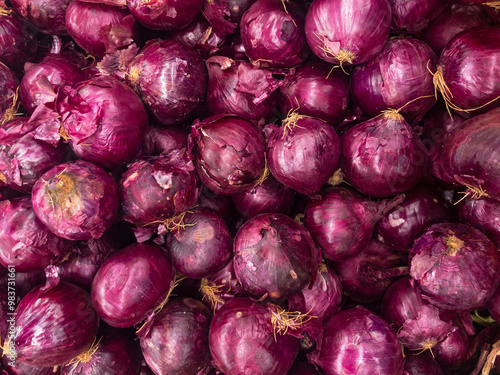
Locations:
453 245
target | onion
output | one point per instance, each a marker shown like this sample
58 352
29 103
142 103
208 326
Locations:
170 77
131 284
421 363
383 156
222 204
356 341
303 153
224 15
162 140
202 245
158 188
25 243
54 325
104 120
20 368
177 342
467 253
229 153
8 86
242 340
483 214
48 17
165 14
315 90
239 88
274 256
414 15
76 200
272 33
347 32
398 77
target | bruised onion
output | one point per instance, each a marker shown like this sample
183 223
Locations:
47 16
414 16
483 214
76 200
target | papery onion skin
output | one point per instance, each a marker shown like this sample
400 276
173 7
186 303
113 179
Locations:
76 200
8 87
177 342
315 90
55 325
273 34
162 140
395 77
25 242
303 153
170 77
241 339
414 16
105 121
356 341
383 156
131 283
358 28
47 16
274 256
483 214
223 169
467 253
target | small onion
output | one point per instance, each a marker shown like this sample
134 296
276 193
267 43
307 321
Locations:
483 214
47 16
414 15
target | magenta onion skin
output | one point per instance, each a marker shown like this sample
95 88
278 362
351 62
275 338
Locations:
76 200
165 14
396 76
273 35
8 86
383 156
421 363
303 153
25 242
470 153
170 77
177 342
357 341
483 214
241 340
463 250
223 169
131 283
414 16
274 256
54 325
20 368
162 140
47 17
158 188
347 32
105 121
469 69
315 90
202 246
239 88
52 71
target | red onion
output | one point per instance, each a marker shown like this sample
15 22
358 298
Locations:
303 153
104 120
356 341
54 324
383 156
170 77
163 14
76 200
459 249
8 86
202 245
224 15
483 214
397 78
48 17
239 88
20 368
162 140
177 342
414 15
229 153
274 256
272 33
315 90
347 32
25 242
131 284
242 340
421 363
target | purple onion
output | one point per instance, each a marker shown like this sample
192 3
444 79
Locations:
383 156
162 140
414 15
315 90
303 153
483 214
225 15
272 33
229 153
165 15
461 250
177 342
48 17
274 256
76 200
20 368
421 363
8 86
25 242
170 77
131 284
347 32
